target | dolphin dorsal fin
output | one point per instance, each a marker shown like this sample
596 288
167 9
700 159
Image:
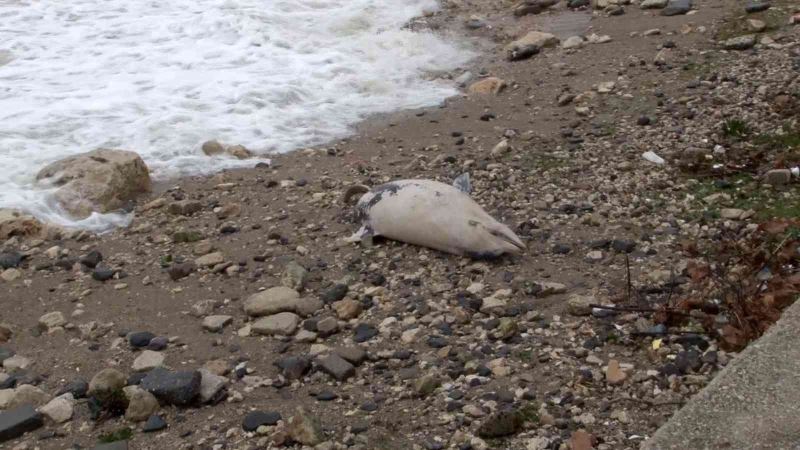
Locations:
462 183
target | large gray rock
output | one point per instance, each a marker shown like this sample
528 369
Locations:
272 301
174 388
282 324
18 421
677 7
102 180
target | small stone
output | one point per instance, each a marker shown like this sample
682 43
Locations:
653 4
213 387
10 260
211 148
614 374
15 363
740 42
141 404
572 42
581 440
578 305
105 382
334 293
335 366
10 275
327 326
305 428
255 419
154 423
59 409
215 324
677 7
294 276
347 309
294 367
272 301
148 360
180 271
778 177
27 394
158 343
210 260
425 385
282 324
501 424
486 86
174 388
364 332
140 339
757 25
353 355
755 7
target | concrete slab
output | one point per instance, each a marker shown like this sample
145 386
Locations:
754 403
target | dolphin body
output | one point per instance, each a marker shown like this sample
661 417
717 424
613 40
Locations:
434 215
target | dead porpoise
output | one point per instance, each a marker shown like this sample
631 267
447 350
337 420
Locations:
434 215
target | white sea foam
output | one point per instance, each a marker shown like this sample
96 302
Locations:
160 77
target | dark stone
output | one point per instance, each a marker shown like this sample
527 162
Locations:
102 273
437 342
140 339
92 259
18 421
326 396
9 260
501 424
182 270
600 244
353 355
755 7
335 366
158 343
376 279
154 423
677 7
615 11
255 419
364 332
334 293
369 406
468 301
77 388
709 357
136 378
433 445
643 121
623 245
174 388
688 361
669 369
692 340
577 3
561 249
294 367
6 353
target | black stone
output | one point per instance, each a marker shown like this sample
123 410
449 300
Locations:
135 379
643 121
6 353
468 301
18 421
174 388
437 342
561 249
255 419
334 293
294 367
623 245
77 388
9 260
182 270
677 7
102 273
755 7
326 396
364 332
154 423
688 361
140 339
92 259
369 406
158 343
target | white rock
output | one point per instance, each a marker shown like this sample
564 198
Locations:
59 409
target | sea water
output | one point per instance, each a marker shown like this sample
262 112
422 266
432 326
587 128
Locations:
161 77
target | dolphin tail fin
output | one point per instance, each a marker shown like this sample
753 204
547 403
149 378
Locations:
463 183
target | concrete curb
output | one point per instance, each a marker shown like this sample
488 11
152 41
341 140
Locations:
754 403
